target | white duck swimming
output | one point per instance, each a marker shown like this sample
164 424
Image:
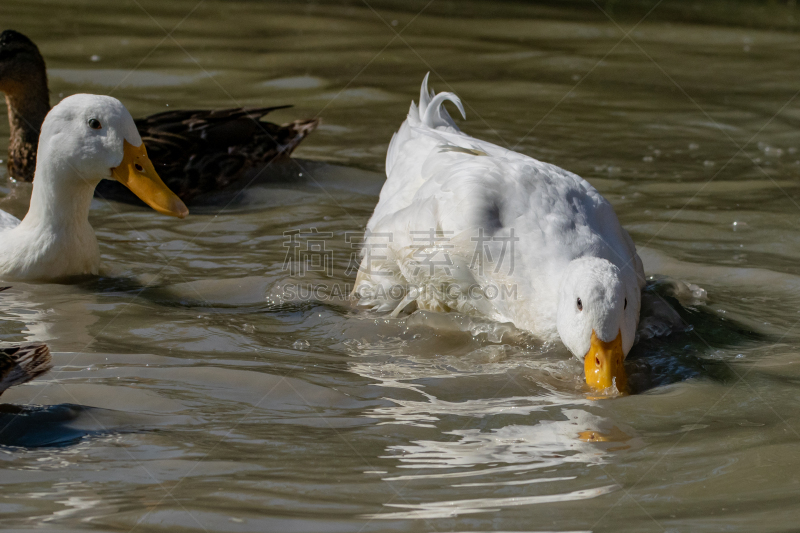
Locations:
465 225
84 139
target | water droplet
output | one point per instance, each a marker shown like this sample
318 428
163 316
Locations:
301 345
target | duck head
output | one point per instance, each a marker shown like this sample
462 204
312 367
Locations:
86 138
598 310
21 64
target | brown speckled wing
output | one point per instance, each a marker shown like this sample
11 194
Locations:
20 364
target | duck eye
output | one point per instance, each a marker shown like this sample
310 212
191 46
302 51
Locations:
95 124
580 305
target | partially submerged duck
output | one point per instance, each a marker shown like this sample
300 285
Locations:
468 226
85 138
194 151
20 364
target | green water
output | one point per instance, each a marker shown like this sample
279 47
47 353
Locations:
186 396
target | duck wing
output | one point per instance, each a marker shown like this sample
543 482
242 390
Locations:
20 364
201 151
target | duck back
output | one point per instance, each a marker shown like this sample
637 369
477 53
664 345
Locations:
492 217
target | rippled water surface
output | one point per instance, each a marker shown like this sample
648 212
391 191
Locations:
189 392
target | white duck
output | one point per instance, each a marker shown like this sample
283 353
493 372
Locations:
465 225
84 139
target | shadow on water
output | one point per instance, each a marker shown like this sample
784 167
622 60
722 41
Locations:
110 284
689 349
57 425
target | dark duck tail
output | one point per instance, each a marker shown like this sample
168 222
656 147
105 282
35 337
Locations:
20 364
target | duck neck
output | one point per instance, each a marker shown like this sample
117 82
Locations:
28 103
60 199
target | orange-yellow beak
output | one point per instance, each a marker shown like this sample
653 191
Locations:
603 364
137 173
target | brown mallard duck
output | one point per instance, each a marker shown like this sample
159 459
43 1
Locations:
23 362
194 151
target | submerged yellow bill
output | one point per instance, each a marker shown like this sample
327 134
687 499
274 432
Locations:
603 364
137 173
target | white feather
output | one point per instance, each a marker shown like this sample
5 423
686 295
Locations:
441 179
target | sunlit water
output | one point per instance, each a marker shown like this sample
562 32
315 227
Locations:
189 391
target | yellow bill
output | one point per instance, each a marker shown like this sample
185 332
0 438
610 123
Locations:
603 364
137 173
